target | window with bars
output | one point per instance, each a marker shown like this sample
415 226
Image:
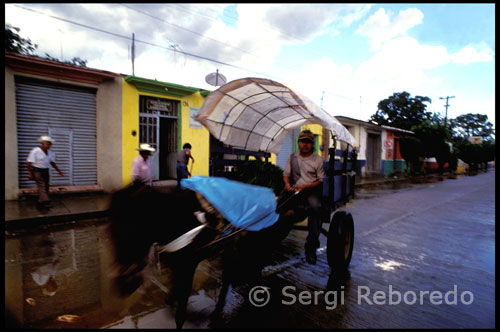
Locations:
148 130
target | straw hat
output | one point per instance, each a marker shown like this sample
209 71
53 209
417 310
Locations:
146 147
46 139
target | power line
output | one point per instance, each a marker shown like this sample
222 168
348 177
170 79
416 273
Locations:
182 28
170 48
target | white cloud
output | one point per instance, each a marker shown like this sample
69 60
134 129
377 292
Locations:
380 27
469 55
397 62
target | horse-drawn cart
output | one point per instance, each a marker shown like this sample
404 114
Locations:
239 220
257 114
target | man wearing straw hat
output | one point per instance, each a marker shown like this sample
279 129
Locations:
141 167
38 162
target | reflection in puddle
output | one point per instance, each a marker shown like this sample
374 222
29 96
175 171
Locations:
49 276
68 318
388 265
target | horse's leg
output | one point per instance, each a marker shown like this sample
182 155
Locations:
221 300
183 283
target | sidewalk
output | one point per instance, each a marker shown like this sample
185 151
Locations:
68 208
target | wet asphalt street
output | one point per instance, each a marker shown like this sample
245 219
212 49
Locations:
423 257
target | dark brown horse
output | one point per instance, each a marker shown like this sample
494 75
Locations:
141 216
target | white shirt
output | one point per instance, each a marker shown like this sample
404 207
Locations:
141 170
39 159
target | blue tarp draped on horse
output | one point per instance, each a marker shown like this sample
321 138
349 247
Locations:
240 203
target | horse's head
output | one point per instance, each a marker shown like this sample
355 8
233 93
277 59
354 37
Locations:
140 216
131 216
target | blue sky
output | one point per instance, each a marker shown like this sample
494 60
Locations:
346 56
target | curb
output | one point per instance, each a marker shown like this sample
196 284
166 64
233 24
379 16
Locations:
17 226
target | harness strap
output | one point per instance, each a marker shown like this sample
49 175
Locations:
222 226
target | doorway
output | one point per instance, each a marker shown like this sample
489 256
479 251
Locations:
158 126
373 154
167 151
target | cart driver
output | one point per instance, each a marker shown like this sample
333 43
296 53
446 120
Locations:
304 173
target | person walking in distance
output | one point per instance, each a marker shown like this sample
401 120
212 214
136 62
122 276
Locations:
304 174
38 162
182 162
141 166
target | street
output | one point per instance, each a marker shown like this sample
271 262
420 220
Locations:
433 244
423 258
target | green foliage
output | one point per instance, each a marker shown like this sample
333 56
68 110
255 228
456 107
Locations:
75 61
430 140
411 150
402 111
260 173
17 44
475 153
470 124
433 137
432 134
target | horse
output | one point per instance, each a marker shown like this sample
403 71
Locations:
141 216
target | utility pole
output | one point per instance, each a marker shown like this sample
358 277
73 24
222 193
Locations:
446 116
133 53
60 43
322 99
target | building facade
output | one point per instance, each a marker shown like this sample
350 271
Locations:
162 114
77 106
379 153
98 119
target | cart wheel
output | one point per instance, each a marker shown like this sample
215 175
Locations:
340 241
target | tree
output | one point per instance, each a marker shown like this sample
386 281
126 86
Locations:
402 111
17 44
469 124
75 61
412 152
430 140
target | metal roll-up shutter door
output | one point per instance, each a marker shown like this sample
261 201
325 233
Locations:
68 114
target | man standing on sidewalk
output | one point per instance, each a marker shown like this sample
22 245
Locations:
304 173
38 163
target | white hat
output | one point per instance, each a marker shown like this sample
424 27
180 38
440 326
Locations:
46 139
146 147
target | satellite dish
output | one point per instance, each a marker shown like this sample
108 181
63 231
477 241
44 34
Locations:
215 79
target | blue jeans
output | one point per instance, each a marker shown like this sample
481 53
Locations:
182 173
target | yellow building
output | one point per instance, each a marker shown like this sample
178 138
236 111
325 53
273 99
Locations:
161 114
98 119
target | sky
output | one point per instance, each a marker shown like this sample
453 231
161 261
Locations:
345 57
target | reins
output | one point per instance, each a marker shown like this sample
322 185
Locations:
163 248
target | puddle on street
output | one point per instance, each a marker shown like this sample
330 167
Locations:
59 279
